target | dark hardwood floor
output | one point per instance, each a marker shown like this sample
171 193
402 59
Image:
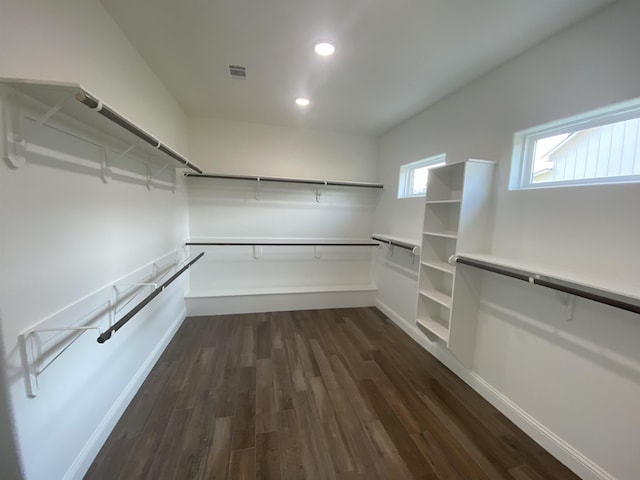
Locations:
323 394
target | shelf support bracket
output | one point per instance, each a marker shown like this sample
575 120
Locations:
257 252
316 252
13 142
105 171
258 188
53 110
568 303
117 293
149 178
28 355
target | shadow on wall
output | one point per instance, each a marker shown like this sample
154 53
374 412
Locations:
401 261
601 334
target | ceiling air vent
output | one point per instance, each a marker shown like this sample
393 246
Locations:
237 71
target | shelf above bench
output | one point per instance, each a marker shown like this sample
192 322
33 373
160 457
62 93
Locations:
86 109
306 181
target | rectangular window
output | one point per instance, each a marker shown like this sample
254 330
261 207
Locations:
601 146
413 176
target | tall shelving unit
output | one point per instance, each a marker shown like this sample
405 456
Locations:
456 219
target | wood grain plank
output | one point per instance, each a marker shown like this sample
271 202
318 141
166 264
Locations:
267 456
216 466
312 394
242 464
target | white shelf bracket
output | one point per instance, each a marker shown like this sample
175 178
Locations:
124 154
257 252
568 303
149 178
258 188
316 252
319 191
52 111
29 355
13 142
120 285
174 182
105 170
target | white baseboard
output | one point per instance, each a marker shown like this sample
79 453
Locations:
278 302
556 446
88 453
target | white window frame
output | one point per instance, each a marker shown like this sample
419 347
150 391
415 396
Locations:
407 168
524 145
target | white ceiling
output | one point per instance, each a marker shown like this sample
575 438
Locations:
393 58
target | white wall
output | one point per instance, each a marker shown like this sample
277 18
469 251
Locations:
579 379
65 234
224 146
77 41
228 208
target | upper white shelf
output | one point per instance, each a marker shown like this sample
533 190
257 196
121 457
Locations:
76 102
308 181
443 202
597 283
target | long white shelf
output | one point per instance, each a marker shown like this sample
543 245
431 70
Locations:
278 242
279 290
437 296
76 102
308 181
453 235
443 202
614 288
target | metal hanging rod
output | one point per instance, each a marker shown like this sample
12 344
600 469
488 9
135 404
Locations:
286 180
534 279
106 335
95 104
395 243
283 244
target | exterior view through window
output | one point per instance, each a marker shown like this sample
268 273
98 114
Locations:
598 147
413 176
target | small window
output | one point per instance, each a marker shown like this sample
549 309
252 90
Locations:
413 176
601 146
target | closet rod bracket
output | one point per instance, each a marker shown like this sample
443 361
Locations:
32 369
13 142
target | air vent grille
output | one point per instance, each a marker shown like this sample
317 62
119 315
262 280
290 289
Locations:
237 71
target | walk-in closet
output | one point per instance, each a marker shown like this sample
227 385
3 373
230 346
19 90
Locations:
319 240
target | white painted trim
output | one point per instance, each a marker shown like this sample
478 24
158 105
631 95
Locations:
280 291
85 458
556 446
279 302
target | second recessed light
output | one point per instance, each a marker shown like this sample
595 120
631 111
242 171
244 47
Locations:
302 102
324 49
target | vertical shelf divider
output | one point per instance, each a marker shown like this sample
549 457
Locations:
457 218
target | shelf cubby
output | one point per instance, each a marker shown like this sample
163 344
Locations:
433 318
445 183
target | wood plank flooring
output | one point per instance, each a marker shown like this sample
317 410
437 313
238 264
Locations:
325 394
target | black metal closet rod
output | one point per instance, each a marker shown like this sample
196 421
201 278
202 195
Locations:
106 335
630 307
395 243
282 244
94 104
332 183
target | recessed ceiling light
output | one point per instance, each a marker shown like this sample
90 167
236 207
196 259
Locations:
324 49
302 102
